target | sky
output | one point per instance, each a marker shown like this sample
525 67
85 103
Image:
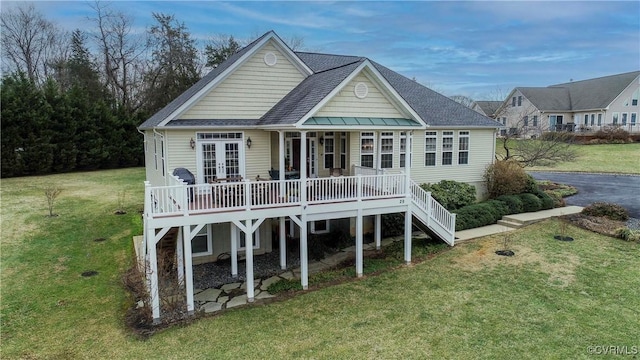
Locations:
479 49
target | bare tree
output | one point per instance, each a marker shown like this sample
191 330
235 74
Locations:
28 41
51 192
121 54
528 141
464 100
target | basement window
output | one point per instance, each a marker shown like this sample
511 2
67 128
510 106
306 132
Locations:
201 243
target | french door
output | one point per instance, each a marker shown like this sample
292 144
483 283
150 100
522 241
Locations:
218 160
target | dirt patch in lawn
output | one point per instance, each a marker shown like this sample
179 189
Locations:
561 269
600 225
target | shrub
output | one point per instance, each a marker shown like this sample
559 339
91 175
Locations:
558 200
530 202
505 177
546 201
559 136
513 202
613 135
392 225
628 234
608 210
452 194
532 185
481 214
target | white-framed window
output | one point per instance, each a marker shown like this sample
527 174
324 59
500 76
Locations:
386 150
403 149
634 97
367 146
201 244
593 119
463 147
513 101
586 119
599 119
525 120
242 240
320 227
155 151
164 171
329 150
519 100
504 121
633 118
343 150
614 116
535 120
430 147
624 118
447 148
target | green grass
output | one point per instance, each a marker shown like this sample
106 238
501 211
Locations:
552 300
605 158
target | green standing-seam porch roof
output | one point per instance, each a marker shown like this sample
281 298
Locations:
340 121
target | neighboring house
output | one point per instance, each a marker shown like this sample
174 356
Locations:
352 138
486 108
581 106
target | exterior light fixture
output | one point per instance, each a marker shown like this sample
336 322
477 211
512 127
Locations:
192 143
249 142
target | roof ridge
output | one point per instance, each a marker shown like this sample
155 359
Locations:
321 53
341 66
597 78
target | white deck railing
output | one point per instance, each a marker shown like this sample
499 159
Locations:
435 211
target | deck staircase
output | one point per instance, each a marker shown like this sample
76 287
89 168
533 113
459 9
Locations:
431 217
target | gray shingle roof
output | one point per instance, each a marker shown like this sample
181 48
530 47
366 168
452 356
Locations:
588 94
489 107
328 72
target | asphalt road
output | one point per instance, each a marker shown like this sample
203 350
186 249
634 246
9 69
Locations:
623 190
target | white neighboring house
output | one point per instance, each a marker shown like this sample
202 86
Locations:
353 139
578 106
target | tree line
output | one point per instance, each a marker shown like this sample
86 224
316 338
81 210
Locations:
72 101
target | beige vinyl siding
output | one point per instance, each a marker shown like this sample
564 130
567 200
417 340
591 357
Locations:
221 242
154 176
345 103
255 160
250 91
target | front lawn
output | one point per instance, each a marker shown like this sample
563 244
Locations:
552 300
605 158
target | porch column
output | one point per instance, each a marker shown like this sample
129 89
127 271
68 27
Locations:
359 252
180 256
407 215
281 164
304 262
303 167
152 275
283 243
378 234
234 249
248 235
378 152
188 267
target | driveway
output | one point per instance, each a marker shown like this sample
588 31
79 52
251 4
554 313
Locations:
623 190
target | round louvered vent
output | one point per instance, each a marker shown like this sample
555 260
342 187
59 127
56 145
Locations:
361 90
270 59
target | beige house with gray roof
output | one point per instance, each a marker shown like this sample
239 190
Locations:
580 106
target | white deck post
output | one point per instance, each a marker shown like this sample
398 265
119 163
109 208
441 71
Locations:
180 256
281 164
152 275
407 236
359 252
304 262
303 168
234 250
188 267
248 246
283 243
378 234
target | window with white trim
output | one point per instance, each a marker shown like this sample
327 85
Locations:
463 147
155 151
201 244
447 148
242 240
593 119
586 119
624 118
633 118
513 101
367 144
430 147
164 172
519 100
320 227
403 149
535 120
329 150
525 120
615 118
599 119
386 150
634 97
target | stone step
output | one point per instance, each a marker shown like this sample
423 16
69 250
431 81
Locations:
510 224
